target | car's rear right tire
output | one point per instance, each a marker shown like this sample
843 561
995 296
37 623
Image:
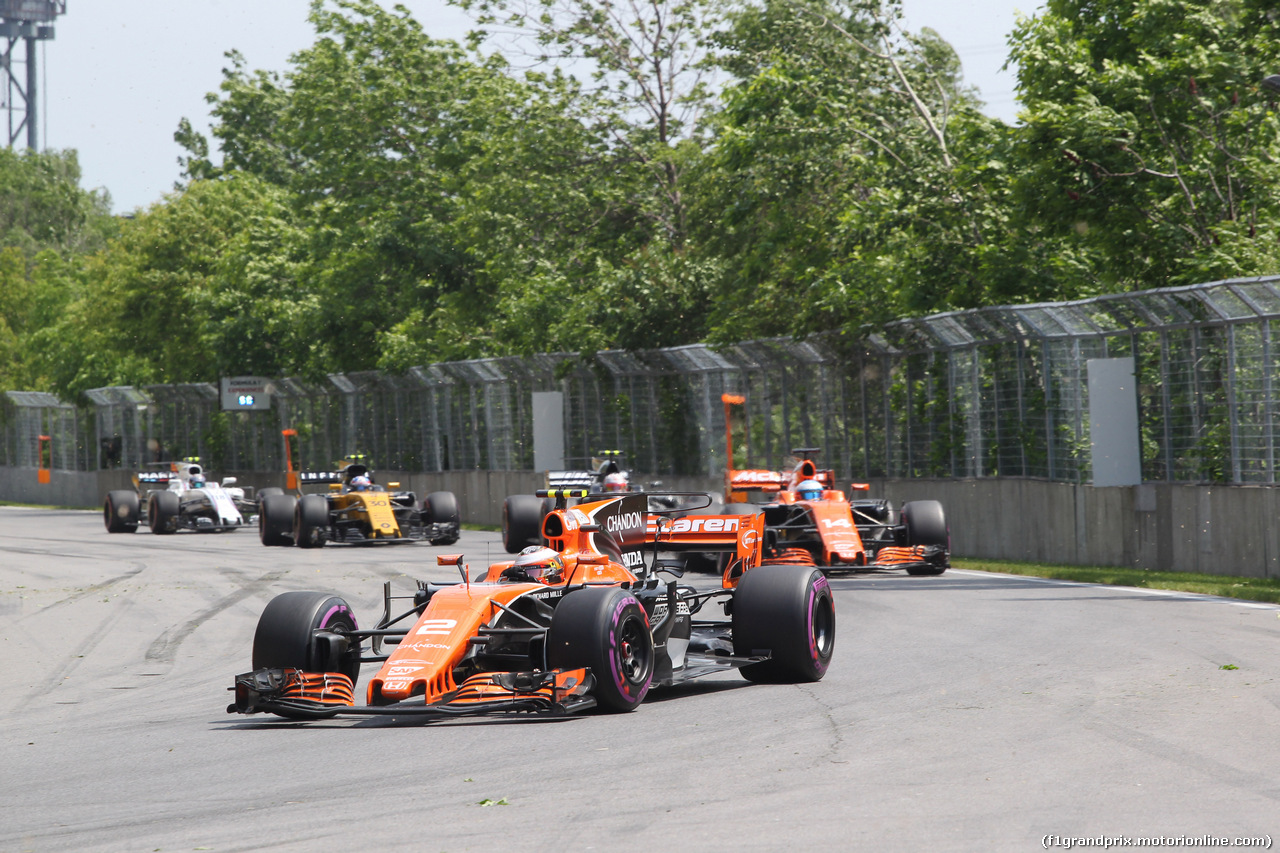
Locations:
275 519
120 511
789 612
521 522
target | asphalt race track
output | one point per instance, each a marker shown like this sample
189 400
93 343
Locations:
967 712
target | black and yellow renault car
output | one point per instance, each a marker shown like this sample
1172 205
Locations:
355 509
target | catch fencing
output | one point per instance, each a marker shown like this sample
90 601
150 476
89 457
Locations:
994 392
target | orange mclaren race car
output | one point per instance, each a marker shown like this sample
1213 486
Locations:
808 521
586 622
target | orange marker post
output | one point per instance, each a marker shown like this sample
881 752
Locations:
290 475
44 451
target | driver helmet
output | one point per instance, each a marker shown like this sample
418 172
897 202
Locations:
360 483
809 490
196 481
616 482
537 563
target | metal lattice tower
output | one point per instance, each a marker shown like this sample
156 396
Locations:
26 21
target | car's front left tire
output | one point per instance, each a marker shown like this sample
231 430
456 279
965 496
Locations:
605 629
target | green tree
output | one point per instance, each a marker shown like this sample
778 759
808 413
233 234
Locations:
857 179
1149 152
48 225
195 288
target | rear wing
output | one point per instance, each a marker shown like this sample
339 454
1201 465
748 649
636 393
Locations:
318 478
572 480
739 536
755 479
153 478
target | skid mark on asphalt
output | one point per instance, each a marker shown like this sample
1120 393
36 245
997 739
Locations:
77 655
1243 780
165 647
87 591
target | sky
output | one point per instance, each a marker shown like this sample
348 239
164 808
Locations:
118 76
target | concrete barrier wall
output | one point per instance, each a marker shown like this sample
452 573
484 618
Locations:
1211 529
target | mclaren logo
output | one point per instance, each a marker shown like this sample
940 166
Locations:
709 524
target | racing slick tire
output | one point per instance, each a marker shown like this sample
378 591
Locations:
605 629
310 521
925 524
790 612
120 511
286 634
275 519
442 508
521 522
269 490
162 512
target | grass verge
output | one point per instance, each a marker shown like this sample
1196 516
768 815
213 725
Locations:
1228 586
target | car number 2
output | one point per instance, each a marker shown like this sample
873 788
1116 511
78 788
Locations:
436 626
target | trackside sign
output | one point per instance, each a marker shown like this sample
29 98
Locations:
250 393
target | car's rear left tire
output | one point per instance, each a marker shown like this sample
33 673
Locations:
275 519
311 521
286 634
162 512
789 612
605 629
120 511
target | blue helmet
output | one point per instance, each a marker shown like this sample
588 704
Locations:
360 483
809 490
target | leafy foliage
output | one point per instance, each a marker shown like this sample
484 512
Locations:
607 174
1150 151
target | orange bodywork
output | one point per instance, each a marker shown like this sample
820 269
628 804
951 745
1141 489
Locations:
831 513
423 663
438 662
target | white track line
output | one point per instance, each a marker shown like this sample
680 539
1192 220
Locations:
1167 593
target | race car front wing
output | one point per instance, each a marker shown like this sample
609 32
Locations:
309 695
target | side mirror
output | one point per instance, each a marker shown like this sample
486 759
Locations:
228 481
